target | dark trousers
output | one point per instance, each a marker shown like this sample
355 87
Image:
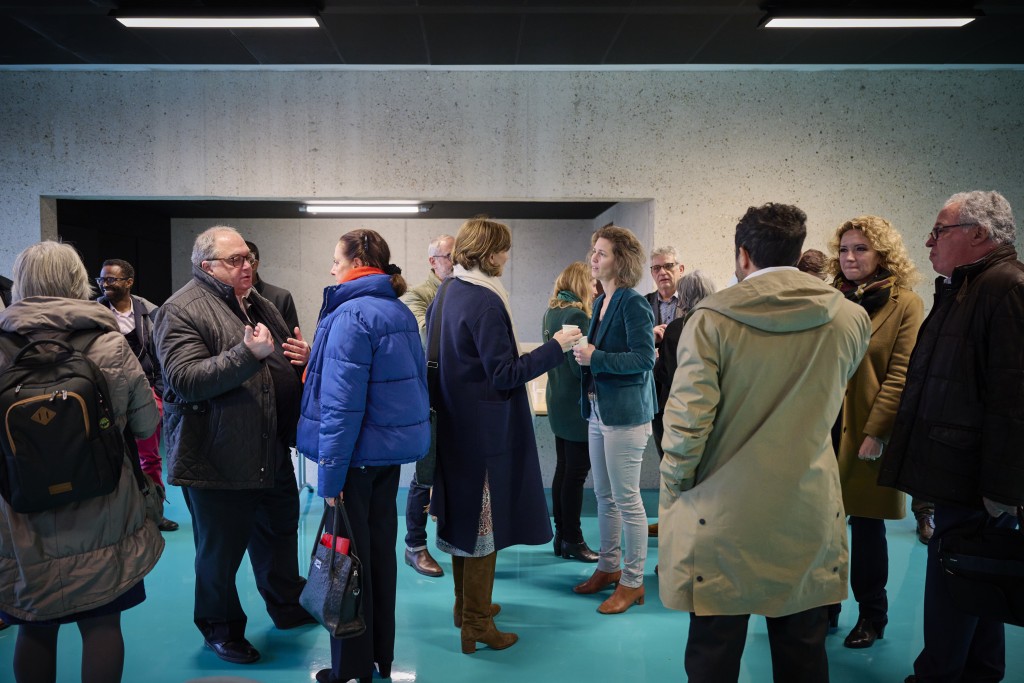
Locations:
416 515
572 464
658 430
226 524
370 503
869 567
715 646
958 648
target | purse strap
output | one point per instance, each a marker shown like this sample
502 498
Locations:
339 511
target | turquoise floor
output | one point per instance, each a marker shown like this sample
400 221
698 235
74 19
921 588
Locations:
562 637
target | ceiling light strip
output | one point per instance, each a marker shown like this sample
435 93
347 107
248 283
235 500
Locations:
219 22
868 22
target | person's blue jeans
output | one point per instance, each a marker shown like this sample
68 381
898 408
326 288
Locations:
416 515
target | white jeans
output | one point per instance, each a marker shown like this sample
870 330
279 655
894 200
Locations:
616 454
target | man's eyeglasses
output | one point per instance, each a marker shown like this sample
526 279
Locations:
667 267
110 280
447 256
939 229
236 260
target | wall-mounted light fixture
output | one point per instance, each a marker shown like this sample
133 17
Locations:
889 16
212 17
373 206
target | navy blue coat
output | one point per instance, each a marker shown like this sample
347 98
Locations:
485 424
365 399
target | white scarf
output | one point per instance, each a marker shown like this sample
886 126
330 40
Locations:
481 279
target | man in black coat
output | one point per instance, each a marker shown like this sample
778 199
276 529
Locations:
279 296
134 320
958 439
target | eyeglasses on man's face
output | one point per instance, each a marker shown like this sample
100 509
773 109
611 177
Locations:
447 256
236 260
667 267
110 280
939 229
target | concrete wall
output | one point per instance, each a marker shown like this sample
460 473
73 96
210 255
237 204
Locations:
701 145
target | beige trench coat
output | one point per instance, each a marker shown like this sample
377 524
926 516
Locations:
751 516
872 398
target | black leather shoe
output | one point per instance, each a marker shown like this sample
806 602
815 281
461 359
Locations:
423 563
235 651
925 527
864 634
384 669
578 551
910 679
167 525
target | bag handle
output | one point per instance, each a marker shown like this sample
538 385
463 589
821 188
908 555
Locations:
339 511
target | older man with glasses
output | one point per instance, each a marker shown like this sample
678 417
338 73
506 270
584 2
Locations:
959 428
418 299
666 269
231 372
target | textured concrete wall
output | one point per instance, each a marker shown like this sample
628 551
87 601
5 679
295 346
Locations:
702 145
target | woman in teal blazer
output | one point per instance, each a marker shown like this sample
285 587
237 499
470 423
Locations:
619 400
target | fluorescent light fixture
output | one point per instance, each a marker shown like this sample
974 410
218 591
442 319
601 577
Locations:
364 207
868 22
219 22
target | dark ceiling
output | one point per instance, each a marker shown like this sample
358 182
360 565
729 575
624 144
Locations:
513 32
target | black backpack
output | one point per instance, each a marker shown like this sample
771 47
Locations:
59 440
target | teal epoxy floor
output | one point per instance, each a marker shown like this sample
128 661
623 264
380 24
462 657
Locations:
562 637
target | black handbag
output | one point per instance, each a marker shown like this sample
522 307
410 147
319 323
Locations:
425 465
984 570
333 593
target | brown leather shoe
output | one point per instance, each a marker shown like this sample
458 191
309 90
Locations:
652 530
597 582
622 599
925 527
423 563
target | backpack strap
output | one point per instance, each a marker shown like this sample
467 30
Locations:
80 341
434 347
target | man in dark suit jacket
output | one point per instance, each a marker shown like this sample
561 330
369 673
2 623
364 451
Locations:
666 269
279 296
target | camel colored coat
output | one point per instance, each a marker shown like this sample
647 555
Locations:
872 398
751 516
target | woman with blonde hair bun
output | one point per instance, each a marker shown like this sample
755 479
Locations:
569 305
870 266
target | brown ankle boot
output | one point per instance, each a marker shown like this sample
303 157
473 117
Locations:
622 599
598 581
477 616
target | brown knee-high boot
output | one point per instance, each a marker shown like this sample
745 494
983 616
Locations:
458 564
477 620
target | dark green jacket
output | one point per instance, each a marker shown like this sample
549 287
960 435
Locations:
563 392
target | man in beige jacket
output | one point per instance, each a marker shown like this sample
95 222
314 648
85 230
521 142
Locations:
752 519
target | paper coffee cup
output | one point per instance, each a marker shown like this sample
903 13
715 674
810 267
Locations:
570 328
581 342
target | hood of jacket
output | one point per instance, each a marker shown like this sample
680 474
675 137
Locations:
368 285
48 313
779 301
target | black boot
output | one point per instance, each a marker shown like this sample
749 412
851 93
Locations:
578 551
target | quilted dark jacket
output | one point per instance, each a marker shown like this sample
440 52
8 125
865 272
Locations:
959 431
220 418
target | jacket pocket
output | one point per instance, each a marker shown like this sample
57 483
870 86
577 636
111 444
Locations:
960 438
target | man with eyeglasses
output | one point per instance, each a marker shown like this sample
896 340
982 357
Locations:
418 299
231 371
958 439
666 269
134 319
279 296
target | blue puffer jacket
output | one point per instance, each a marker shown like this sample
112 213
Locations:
365 399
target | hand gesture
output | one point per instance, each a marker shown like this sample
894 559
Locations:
659 333
583 353
258 341
296 349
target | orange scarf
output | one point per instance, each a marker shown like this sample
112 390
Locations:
360 272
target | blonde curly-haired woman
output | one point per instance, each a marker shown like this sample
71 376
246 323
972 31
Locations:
870 266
